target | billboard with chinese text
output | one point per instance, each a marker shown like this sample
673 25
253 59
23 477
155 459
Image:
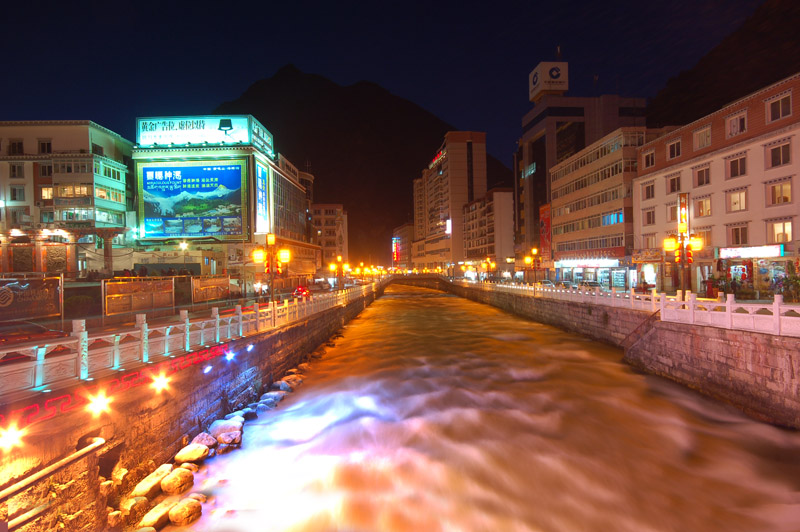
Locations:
262 199
193 199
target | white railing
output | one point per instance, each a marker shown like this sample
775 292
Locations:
775 318
31 367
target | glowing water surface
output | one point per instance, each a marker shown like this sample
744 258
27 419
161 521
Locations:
436 413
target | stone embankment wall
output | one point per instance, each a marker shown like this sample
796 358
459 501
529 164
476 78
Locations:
758 373
144 428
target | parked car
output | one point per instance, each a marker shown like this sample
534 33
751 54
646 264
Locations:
567 285
589 285
20 331
301 292
545 283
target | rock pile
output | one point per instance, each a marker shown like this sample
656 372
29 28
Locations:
169 481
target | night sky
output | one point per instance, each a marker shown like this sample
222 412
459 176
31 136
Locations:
466 62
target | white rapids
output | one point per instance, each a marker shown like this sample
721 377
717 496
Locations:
434 413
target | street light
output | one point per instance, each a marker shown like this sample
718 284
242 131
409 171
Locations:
536 259
183 246
683 243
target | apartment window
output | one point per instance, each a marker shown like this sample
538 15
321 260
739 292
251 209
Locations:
702 207
17 192
779 108
779 155
16 170
649 241
779 193
45 146
736 124
46 170
97 149
737 166
649 217
46 217
702 176
674 184
15 147
47 193
736 200
672 213
674 149
649 159
779 232
738 236
705 235
649 190
702 138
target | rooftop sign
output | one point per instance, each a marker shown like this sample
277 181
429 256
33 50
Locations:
547 78
213 130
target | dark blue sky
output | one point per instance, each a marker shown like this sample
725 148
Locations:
467 62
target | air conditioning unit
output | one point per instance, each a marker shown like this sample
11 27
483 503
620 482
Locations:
39 203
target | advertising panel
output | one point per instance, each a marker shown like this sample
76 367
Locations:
546 78
186 199
262 199
23 299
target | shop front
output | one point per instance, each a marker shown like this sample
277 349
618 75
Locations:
610 273
649 269
757 272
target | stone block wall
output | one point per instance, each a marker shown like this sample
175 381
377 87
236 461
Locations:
145 429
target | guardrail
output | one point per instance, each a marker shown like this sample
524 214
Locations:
32 367
777 317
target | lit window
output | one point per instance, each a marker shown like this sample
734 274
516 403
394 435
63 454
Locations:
736 200
779 232
779 155
47 193
702 138
702 207
779 193
779 108
736 125
674 149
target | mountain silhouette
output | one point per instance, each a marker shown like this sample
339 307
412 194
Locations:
763 50
364 146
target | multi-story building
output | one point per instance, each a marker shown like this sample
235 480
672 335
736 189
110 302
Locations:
734 170
555 129
591 211
330 224
455 177
216 183
65 190
489 234
402 237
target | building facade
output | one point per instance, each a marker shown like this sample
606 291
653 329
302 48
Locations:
330 225
216 183
402 237
455 177
489 234
735 171
555 129
66 190
591 211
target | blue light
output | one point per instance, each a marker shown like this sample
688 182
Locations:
249 348
206 369
229 356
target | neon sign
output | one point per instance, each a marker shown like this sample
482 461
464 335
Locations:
439 157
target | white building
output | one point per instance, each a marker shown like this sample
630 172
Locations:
738 166
489 234
329 221
65 195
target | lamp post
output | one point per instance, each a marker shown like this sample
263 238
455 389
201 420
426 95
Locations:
683 243
271 265
535 260
528 261
184 246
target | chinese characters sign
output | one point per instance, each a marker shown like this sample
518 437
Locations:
262 199
193 199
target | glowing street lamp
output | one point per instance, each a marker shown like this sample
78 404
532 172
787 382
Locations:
98 404
683 243
160 383
184 246
11 437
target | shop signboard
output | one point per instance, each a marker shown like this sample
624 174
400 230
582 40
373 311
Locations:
753 252
193 199
647 255
544 232
262 199
25 299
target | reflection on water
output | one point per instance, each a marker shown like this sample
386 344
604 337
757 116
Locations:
436 413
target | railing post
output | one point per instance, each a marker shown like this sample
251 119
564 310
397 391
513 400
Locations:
692 300
167 330
663 304
79 330
115 353
240 327
653 298
614 302
679 295
776 313
186 333
729 299
144 350
38 374
215 315
256 312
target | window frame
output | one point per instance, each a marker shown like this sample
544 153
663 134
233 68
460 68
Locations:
729 166
696 202
647 214
778 99
677 152
768 193
728 196
670 179
736 118
672 212
739 229
771 232
783 162
649 156
702 134
705 170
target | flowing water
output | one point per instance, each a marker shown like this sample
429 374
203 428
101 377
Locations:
434 413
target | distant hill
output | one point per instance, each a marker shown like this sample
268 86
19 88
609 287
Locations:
764 50
363 144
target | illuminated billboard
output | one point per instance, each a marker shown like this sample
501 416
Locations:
193 199
262 198
210 130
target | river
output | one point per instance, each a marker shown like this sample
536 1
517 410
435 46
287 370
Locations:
434 413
